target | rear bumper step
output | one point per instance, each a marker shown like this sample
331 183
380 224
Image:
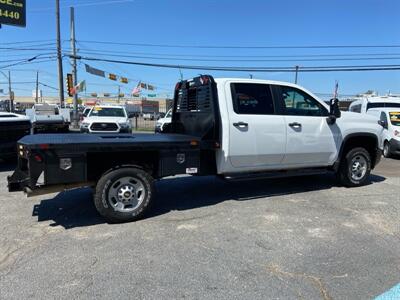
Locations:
43 190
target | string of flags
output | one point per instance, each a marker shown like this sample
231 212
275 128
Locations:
136 90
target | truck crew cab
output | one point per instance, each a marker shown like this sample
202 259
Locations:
234 128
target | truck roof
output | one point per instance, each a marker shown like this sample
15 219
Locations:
254 80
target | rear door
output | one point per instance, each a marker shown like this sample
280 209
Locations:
311 141
257 137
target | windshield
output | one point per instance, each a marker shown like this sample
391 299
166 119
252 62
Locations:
86 112
394 118
382 104
169 114
107 112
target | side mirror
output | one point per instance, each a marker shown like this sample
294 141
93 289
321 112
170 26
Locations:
334 108
383 124
334 111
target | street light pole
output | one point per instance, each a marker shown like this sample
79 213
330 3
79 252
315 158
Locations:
37 87
59 57
10 93
297 72
74 68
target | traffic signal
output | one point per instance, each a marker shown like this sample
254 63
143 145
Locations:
70 85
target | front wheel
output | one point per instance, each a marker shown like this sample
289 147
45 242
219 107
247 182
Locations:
386 149
355 167
124 195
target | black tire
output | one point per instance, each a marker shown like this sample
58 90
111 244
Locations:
386 150
346 167
107 205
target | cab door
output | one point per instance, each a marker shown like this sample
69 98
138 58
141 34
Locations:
257 136
311 140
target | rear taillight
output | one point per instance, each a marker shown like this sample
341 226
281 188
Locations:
44 146
204 80
38 158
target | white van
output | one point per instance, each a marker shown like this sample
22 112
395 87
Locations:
389 118
367 103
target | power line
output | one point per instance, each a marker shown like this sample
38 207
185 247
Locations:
85 4
240 47
48 86
252 69
19 82
29 42
26 49
30 61
235 56
247 60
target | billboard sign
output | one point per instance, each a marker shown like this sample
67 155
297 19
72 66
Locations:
13 12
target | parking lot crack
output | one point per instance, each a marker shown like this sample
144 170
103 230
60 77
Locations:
316 281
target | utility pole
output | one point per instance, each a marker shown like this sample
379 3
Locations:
74 69
37 87
297 71
10 92
119 93
59 57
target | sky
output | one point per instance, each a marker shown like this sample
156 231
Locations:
208 33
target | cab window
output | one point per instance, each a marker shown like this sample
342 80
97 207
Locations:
252 99
356 108
299 103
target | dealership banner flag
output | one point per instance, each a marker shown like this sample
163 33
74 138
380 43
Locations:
80 87
94 71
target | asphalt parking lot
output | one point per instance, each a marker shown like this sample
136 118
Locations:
296 238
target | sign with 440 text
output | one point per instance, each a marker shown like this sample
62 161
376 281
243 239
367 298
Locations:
13 12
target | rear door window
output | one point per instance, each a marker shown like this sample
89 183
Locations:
252 99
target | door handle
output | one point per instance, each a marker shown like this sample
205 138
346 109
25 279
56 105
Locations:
295 125
240 124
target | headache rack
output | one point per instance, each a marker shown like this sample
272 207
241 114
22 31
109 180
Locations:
195 110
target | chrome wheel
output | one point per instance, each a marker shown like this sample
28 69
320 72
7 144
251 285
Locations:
386 150
358 167
126 194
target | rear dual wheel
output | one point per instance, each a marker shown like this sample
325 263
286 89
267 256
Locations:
124 195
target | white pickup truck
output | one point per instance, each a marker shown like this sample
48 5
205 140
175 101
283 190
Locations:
233 128
106 119
49 118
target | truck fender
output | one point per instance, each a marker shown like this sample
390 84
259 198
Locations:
123 166
354 136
